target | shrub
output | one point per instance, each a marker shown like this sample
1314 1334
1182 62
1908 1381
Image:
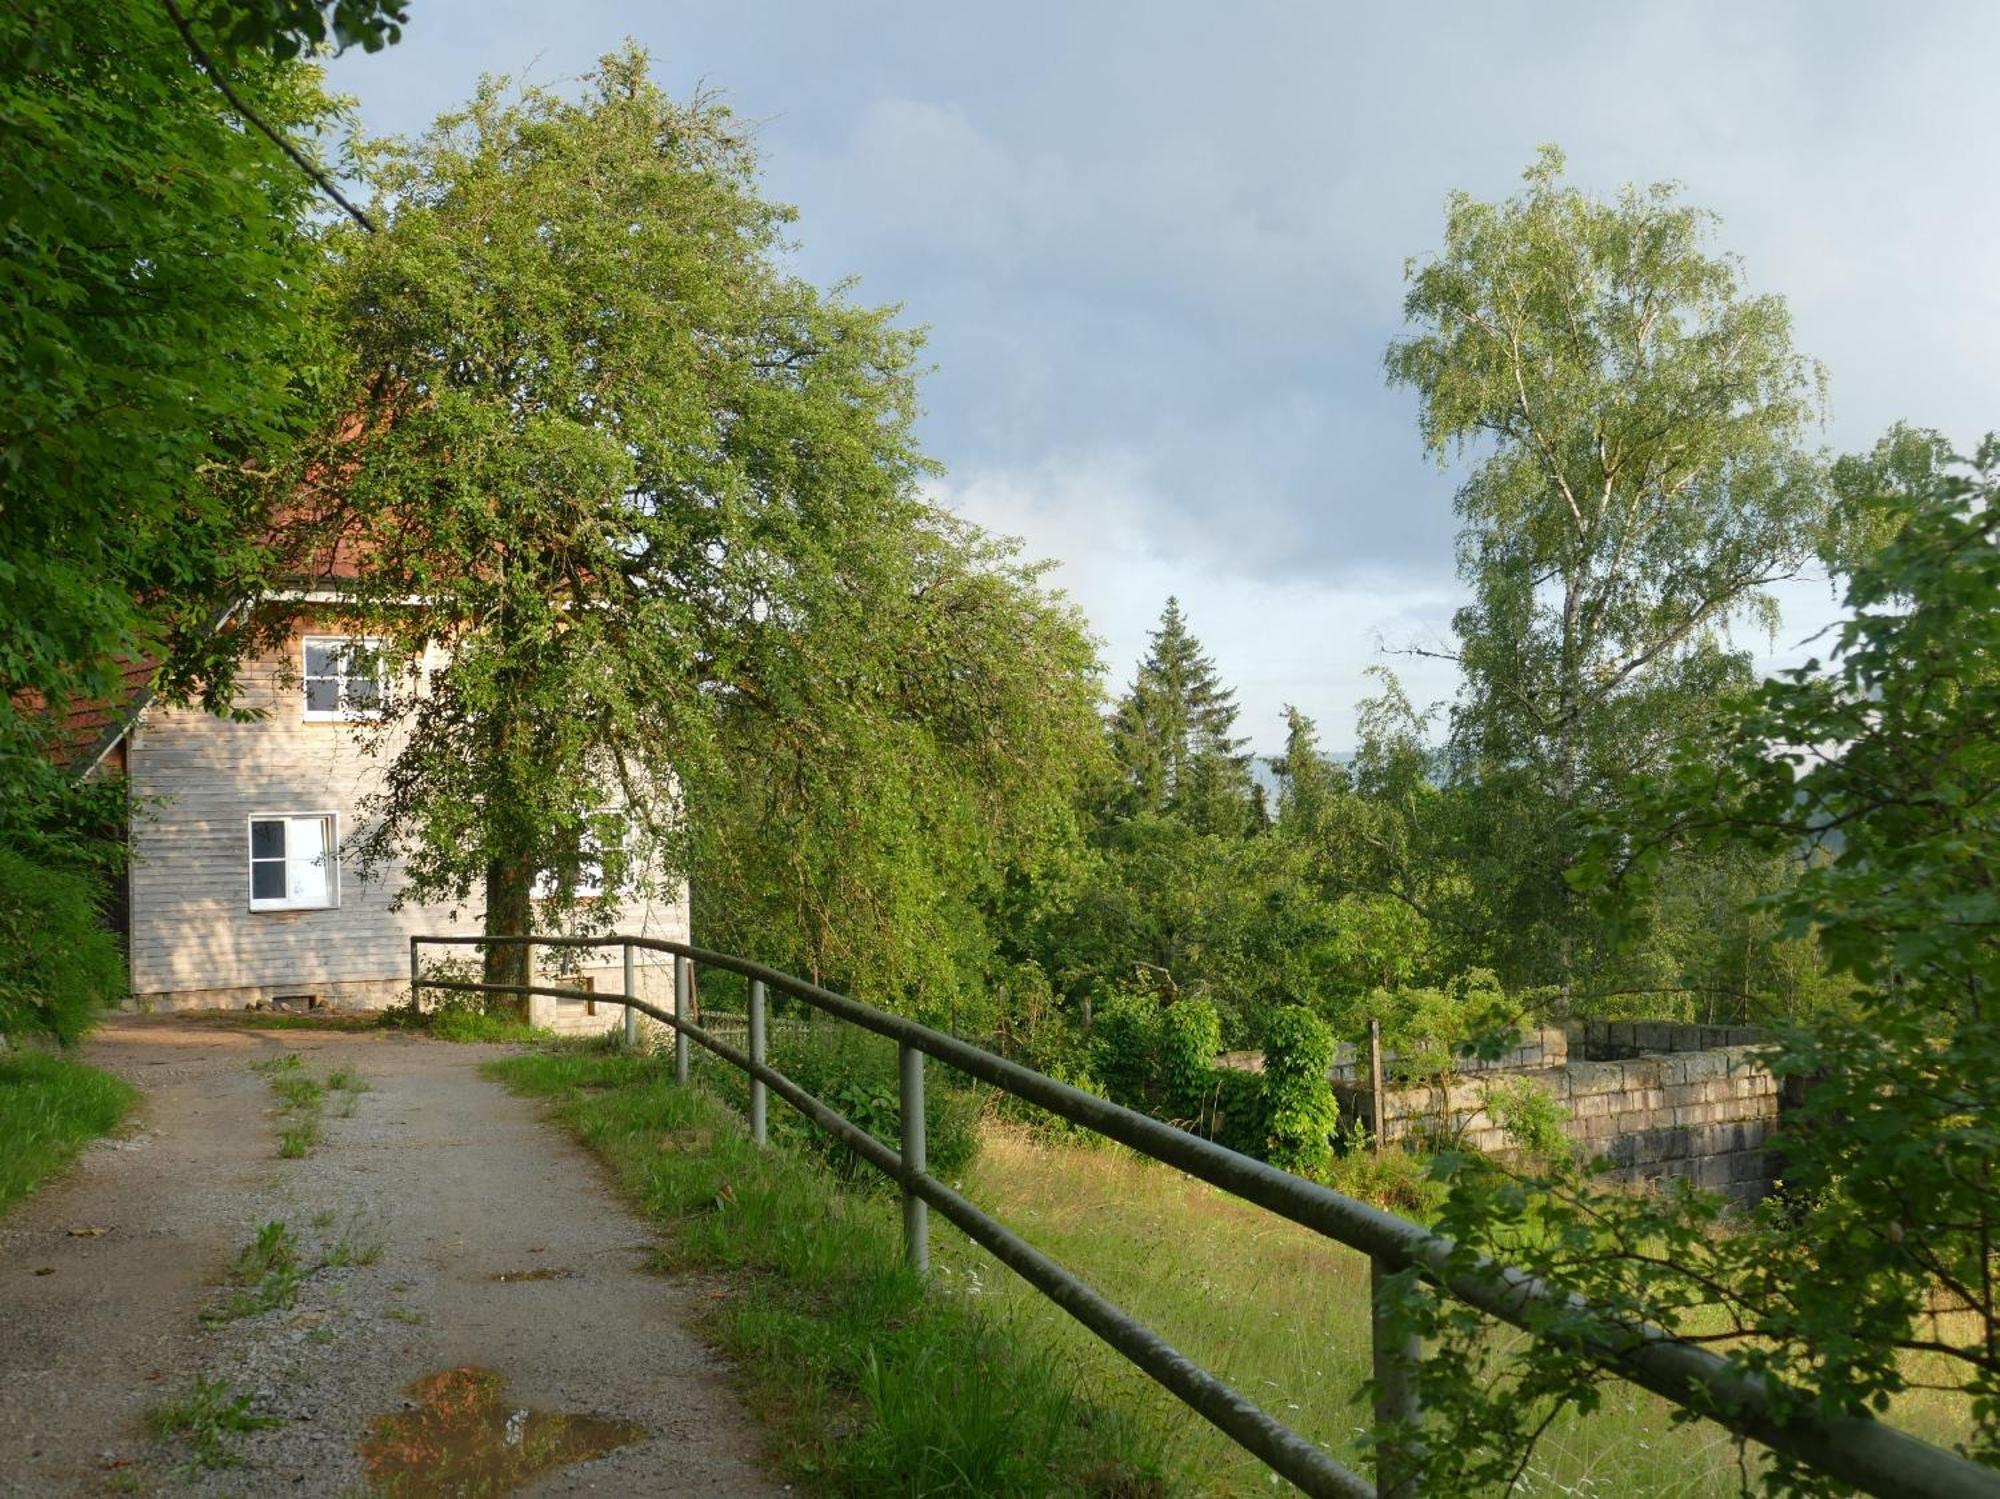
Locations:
1530 1115
59 965
1190 1036
1239 1114
1298 1050
854 1073
1125 1047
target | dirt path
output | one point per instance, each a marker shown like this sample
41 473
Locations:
436 1187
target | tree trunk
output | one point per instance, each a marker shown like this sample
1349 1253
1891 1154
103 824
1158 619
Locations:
510 912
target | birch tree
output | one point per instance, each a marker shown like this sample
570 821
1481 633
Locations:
1636 420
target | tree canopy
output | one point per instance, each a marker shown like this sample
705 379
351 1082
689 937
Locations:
652 504
154 351
1637 419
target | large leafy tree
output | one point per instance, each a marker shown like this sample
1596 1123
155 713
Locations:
647 505
154 345
1637 418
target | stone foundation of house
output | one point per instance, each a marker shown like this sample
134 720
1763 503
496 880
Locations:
587 1014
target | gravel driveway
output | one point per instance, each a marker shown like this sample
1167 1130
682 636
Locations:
461 1232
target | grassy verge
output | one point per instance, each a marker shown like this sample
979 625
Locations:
50 1108
457 1022
871 1384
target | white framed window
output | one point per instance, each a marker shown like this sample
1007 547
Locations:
294 861
344 678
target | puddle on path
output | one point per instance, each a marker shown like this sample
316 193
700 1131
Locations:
464 1442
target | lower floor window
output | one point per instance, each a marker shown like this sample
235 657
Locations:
294 862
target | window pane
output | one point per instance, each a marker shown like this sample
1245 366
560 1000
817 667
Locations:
267 839
308 865
323 658
267 879
322 695
364 694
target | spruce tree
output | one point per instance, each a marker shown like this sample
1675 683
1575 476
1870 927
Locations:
1173 734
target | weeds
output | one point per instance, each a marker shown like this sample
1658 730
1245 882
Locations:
462 1019
302 1099
352 1249
876 1383
209 1418
50 1108
266 1274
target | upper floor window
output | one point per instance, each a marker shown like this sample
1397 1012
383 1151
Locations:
295 862
344 677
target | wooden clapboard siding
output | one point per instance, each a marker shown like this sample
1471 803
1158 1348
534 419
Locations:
197 780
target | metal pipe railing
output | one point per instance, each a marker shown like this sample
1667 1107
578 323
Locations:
1875 1458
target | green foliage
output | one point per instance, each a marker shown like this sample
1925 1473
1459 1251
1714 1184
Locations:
1298 1050
1190 1038
1125 1046
50 1108
855 1073
1640 419
1532 1117
59 967
289 28
1239 1113
155 340
470 1023
718 602
1425 1032
872 1381
1877 773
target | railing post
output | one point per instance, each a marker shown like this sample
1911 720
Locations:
415 974
916 1219
680 1013
757 1108
631 993
1397 1354
1378 1106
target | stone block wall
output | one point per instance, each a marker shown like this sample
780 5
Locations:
1700 1114
1547 1047
1615 1040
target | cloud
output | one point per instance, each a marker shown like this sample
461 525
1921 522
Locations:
1160 247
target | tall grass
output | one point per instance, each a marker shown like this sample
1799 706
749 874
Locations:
1282 1314
872 1383
50 1108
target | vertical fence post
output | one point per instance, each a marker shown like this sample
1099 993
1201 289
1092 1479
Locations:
631 993
757 1110
680 1013
415 975
1397 1353
1378 1113
916 1224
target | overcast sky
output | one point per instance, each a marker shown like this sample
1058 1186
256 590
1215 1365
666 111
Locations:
1159 248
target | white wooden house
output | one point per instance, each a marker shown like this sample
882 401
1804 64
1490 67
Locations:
240 889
